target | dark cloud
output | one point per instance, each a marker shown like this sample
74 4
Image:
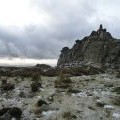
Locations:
71 20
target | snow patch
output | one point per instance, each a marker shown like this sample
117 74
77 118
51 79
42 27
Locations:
48 113
110 107
39 97
95 93
105 93
116 115
42 89
81 94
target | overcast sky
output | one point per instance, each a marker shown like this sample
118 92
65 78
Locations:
38 29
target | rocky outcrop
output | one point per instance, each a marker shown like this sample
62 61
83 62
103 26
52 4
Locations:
43 66
97 48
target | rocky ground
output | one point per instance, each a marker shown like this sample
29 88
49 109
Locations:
92 97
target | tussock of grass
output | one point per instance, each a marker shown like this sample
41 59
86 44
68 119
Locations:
116 100
63 81
69 116
36 78
117 90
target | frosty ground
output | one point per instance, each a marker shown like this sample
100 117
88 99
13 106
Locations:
92 97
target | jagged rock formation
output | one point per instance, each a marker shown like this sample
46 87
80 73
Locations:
98 48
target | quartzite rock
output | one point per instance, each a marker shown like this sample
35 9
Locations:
100 47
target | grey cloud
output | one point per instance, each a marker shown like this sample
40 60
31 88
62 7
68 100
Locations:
28 45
